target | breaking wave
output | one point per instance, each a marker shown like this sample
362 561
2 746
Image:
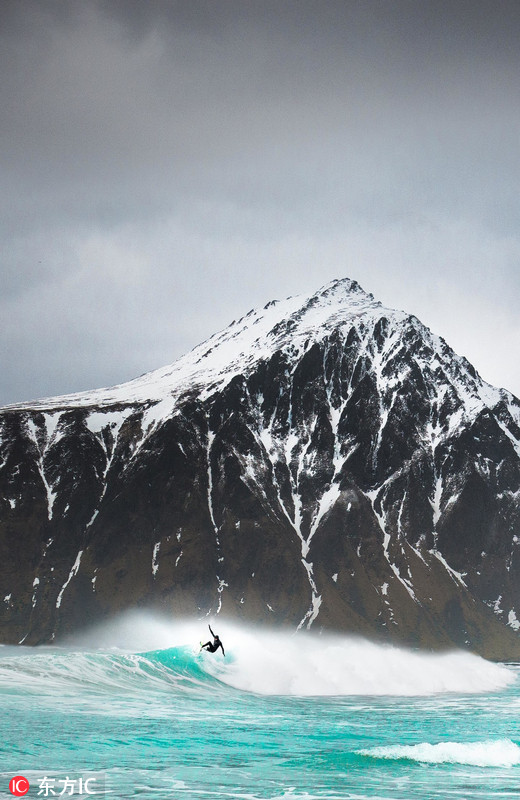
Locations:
307 665
143 654
494 753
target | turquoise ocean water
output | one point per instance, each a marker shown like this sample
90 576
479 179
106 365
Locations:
282 716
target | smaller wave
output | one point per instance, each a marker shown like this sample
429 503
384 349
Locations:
493 753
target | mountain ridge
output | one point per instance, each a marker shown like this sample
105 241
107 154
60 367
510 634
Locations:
153 384
163 383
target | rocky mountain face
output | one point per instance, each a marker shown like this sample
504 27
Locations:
324 462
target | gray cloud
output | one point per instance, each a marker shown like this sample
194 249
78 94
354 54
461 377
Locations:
168 165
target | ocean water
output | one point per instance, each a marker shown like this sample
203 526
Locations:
141 712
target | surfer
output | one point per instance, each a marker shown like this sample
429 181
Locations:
213 646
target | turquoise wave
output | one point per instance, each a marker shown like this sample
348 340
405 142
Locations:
264 664
59 672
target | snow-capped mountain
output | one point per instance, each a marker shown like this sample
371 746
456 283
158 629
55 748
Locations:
322 462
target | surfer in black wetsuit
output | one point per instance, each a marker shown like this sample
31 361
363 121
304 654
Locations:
213 646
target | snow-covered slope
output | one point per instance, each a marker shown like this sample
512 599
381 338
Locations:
323 461
291 325
236 349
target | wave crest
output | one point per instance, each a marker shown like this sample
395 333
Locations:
310 665
494 753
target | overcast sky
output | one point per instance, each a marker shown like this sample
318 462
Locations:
166 166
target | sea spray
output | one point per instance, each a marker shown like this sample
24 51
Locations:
301 663
310 665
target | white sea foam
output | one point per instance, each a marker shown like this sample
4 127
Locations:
493 753
306 664
325 665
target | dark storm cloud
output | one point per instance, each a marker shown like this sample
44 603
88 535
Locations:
205 95
158 156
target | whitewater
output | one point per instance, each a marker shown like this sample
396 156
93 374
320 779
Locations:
138 710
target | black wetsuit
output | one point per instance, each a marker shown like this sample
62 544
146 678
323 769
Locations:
213 646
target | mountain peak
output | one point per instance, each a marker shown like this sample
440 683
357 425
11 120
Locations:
342 288
256 335
340 308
